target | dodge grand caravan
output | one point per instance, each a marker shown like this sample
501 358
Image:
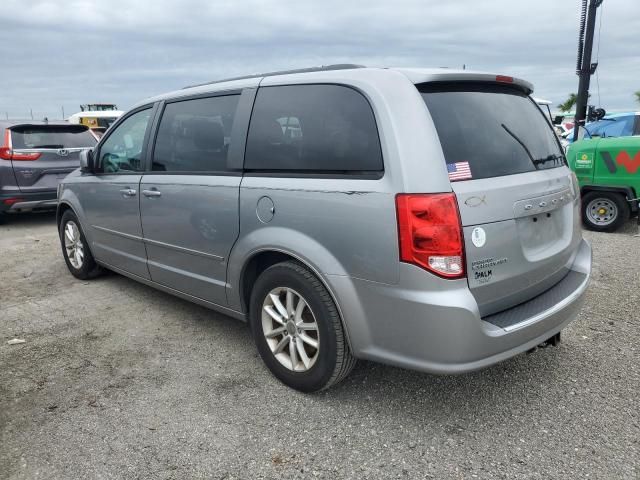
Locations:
421 218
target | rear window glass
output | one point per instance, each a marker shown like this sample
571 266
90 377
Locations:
490 131
51 136
313 128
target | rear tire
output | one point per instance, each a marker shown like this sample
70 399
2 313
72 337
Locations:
75 248
303 344
604 211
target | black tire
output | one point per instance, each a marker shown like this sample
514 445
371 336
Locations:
612 219
334 359
89 268
3 218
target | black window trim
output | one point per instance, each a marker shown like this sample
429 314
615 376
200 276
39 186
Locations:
329 174
145 142
319 174
237 125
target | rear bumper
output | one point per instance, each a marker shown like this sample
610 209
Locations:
29 201
437 328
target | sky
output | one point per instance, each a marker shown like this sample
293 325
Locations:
62 53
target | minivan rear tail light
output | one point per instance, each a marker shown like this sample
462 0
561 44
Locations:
6 153
430 233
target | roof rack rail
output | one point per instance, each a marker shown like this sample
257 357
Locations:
322 68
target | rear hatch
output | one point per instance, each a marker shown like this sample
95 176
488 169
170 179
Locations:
42 155
518 201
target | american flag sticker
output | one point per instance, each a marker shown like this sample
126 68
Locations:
459 171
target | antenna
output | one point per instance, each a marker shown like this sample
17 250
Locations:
584 67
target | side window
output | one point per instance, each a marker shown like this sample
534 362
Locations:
194 135
318 128
122 150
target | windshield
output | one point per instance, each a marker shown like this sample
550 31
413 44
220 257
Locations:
51 136
490 130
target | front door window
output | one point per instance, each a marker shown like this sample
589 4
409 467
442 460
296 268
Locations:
122 150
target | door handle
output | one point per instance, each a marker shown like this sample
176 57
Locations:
151 193
128 192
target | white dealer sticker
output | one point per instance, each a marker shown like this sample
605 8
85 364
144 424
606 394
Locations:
478 237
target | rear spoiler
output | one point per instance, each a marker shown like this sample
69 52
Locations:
65 125
418 76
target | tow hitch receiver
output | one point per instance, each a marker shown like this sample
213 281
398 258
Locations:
549 342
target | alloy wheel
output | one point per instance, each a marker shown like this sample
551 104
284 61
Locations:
290 329
73 245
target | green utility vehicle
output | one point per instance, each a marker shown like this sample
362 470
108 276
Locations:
607 163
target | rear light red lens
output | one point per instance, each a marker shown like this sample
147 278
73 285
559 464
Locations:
11 201
6 152
430 233
504 79
25 156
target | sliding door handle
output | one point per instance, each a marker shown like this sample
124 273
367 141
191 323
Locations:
128 192
152 193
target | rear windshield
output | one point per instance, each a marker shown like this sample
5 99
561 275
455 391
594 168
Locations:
490 130
51 136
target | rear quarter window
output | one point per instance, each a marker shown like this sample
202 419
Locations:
312 128
490 130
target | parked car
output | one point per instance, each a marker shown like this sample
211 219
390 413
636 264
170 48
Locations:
34 157
344 213
607 163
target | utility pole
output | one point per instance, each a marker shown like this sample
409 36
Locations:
584 67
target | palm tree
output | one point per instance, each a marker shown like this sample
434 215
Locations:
569 103
637 94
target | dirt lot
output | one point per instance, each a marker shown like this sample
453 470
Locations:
117 380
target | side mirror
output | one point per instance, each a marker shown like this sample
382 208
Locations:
86 161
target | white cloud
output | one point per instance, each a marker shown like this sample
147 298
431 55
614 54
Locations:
61 52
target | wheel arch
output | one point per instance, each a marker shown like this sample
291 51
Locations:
63 207
628 192
264 258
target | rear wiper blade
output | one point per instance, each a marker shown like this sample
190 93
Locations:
517 139
48 146
548 158
535 161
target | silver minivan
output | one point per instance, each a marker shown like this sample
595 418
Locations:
423 218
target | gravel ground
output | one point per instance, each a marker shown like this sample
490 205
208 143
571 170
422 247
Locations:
117 380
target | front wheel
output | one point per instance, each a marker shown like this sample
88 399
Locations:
297 328
604 211
75 248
